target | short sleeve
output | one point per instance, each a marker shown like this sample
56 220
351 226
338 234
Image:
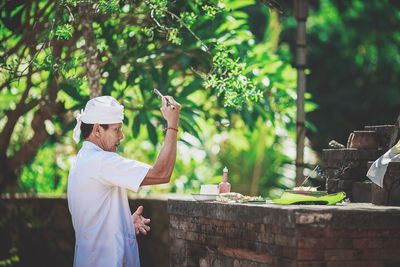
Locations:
122 172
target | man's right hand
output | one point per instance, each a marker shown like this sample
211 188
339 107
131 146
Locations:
170 111
161 171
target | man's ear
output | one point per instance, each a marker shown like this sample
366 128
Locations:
96 129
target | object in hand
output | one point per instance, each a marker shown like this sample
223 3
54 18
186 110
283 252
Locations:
161 95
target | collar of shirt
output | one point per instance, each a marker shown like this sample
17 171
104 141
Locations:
90 145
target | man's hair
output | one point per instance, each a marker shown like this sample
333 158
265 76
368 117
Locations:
86 129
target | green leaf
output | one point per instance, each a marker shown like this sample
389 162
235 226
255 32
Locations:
191 88
136 125
310 106
72 91
247 117
152 132
64 31
234 5
311 126
187 126
126 120
17 10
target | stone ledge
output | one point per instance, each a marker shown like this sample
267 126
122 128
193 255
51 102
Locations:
351 215
345 154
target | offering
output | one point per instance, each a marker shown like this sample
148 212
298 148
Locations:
224 186
208 192
303 189
307 190
233 197
204 197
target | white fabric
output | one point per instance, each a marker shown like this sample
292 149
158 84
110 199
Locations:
98 202
102 110
377 171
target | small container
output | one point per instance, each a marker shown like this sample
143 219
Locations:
209 189
224 186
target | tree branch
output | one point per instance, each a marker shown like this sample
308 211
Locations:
13 116
173 15
47 109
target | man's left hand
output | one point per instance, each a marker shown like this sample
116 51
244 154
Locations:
140 222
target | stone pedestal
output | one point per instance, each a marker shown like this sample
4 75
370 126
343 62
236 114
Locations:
209 234
346 171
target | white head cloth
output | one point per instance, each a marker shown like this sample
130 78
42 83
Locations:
101 110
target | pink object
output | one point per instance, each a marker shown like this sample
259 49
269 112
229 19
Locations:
225 186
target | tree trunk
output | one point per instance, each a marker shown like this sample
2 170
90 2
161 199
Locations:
260 155
301 13
11 166
92 60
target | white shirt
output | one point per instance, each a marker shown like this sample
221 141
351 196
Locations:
98 202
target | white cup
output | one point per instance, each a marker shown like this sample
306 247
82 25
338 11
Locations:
209 189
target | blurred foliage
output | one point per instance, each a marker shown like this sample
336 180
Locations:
353 58
237 89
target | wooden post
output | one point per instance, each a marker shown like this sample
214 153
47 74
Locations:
300 12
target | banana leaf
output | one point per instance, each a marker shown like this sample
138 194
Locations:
290 198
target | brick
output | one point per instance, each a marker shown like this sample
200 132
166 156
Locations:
387 254
347 155
311 231
204 263
310 264
369 233
252 226
360 243
173 220
310 242
341 254
265 237
265 228
345 185
244 254
287 252
285 241
392 254
355 264
178 246
285 262
310 254
193 236
361 192
213 240
337 243
277 229
372 254
261 247
177 234
324 243
332 185
391 243
385 134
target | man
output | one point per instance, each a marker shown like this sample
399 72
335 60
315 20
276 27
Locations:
105 230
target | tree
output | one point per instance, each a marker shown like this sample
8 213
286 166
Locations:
125 49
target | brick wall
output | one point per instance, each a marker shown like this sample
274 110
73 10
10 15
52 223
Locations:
216 234
39 231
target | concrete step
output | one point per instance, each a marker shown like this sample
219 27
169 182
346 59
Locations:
386 135
361 192
363 139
